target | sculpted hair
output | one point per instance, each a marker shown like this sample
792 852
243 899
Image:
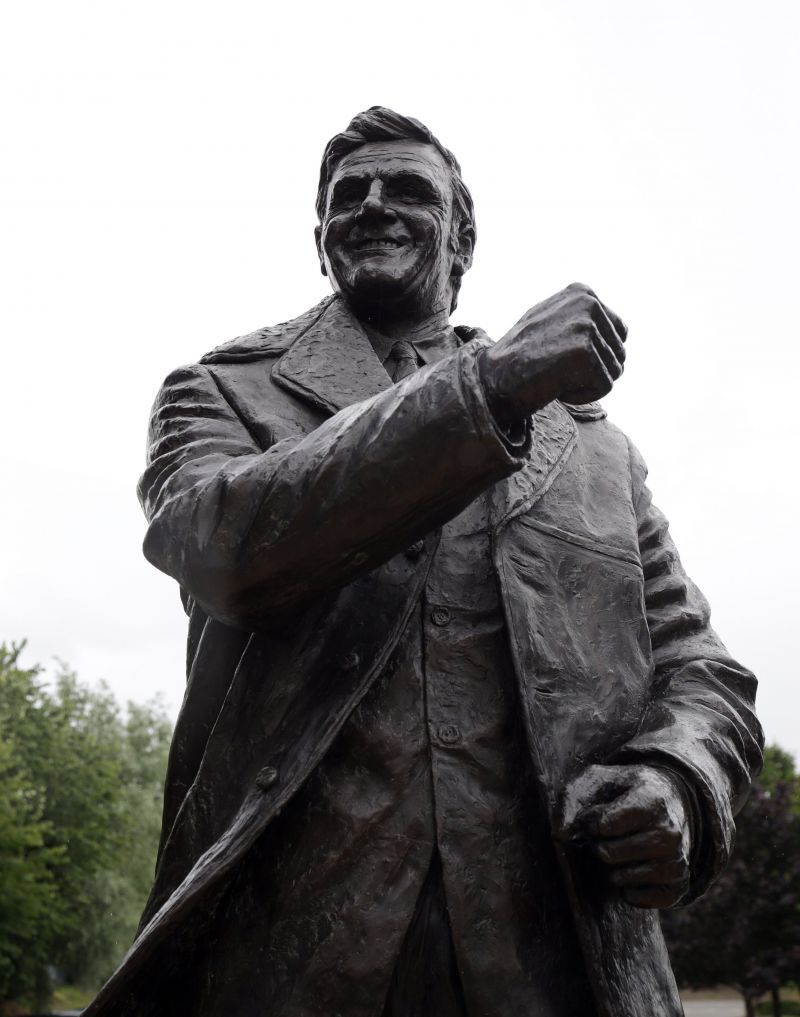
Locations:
381 124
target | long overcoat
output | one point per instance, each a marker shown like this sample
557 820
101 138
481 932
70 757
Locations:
295 494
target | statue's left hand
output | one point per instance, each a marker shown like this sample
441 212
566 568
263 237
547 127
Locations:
635 819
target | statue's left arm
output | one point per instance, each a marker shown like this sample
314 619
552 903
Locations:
676 786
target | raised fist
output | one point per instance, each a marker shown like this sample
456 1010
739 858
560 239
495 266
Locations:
569 347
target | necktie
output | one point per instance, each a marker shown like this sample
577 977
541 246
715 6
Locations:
402 360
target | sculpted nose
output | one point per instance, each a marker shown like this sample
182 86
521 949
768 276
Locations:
374 206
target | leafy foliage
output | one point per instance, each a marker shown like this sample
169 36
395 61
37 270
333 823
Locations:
80 804
780 768
745 932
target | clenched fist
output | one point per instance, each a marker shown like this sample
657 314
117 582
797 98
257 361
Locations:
570 347
635 819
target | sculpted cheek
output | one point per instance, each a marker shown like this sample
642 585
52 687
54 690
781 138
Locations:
333 235
420 223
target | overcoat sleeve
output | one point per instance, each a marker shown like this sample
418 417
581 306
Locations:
253 534
700 722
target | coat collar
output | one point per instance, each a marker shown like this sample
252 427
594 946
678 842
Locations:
332 365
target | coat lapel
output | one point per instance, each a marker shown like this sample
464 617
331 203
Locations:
332 364
553 440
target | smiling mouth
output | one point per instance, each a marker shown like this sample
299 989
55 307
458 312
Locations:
378 244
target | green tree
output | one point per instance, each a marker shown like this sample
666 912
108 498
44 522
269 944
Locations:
80 787
745 932
28 859
780 768
112 878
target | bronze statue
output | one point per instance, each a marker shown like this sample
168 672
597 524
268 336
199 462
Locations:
456 725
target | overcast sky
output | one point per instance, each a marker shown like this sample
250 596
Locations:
158 186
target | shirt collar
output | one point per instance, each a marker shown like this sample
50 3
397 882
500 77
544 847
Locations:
435 347
429 349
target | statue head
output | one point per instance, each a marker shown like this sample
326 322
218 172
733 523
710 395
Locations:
396 221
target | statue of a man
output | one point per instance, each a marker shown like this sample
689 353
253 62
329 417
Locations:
456 725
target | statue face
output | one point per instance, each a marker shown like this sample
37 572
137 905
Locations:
385 241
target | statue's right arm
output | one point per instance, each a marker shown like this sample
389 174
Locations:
253 534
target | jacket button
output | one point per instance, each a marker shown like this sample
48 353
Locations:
448 734
266 777
349 661
415 551
440 616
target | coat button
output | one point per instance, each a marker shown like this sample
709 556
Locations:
440 616
415 551
266 777
349 661
448 734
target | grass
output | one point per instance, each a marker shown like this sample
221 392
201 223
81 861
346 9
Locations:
71 997
790 999
65 997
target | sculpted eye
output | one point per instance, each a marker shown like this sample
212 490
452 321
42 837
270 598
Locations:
411 189
347 193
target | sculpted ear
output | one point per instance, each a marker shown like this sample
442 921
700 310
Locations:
318 240
464 245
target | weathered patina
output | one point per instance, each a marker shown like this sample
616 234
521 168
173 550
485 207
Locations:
456 724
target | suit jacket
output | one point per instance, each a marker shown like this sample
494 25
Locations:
295 493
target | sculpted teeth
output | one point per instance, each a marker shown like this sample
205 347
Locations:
379 243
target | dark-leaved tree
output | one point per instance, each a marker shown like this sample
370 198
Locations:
745 932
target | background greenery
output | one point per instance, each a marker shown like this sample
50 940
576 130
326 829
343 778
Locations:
745 932
80 810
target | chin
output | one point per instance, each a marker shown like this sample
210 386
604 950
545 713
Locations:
374 285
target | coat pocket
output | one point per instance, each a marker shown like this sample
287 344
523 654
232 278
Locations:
579 635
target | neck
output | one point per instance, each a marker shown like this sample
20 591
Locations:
411 327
